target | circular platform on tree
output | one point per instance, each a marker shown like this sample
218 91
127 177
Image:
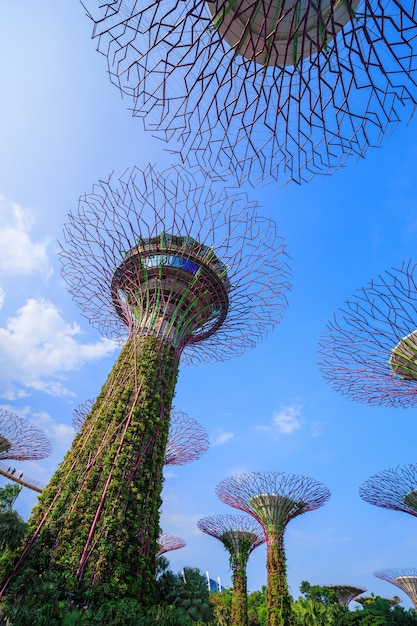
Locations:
403 359
279 32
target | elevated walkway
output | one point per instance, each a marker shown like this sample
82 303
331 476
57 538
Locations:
19 477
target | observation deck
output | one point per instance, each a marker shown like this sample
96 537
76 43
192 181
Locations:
403 359
171 287
279 32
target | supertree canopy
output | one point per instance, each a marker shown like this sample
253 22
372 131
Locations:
368 352
187 440
167 543
345 593
278 90
394 489
81 412
403 578
365 600
240 535
273 499
176 270
21 441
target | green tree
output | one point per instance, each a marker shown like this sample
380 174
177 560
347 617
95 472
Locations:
257 608
192 595
317 593
221 603
12 526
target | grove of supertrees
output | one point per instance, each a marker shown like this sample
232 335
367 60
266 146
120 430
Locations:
173 269
394 488
266 90
368 352
240 535
274 499
404 578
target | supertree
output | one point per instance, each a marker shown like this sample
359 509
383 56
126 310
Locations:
274 90
403 578
345 593
240 535
394 489
174 269
187 439
368 352
274 498
20 440
167 543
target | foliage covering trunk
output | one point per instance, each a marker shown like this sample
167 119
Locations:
278 599
97 523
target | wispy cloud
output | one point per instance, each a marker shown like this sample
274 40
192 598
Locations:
38 347
221 438
284 422
287 420
19 254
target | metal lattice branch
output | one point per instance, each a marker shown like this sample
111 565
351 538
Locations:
169 542
404 578
346 593
168 255
20 440
80 413
273 498
368 352
280 90
187 439
394 489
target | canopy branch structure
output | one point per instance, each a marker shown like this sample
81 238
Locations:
346 593
20 440
394 489
187 440
274 499
404 578
240 535
265 90
368 352
174 270
167 543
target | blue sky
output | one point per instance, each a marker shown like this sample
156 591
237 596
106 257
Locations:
62 127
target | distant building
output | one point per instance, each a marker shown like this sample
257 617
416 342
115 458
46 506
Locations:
214 585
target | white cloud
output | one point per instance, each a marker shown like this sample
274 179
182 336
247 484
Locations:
284 422
19 255
222 438
287 420
38 347
59 434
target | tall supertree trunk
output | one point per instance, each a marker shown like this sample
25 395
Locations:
240 598
278 600
97 522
